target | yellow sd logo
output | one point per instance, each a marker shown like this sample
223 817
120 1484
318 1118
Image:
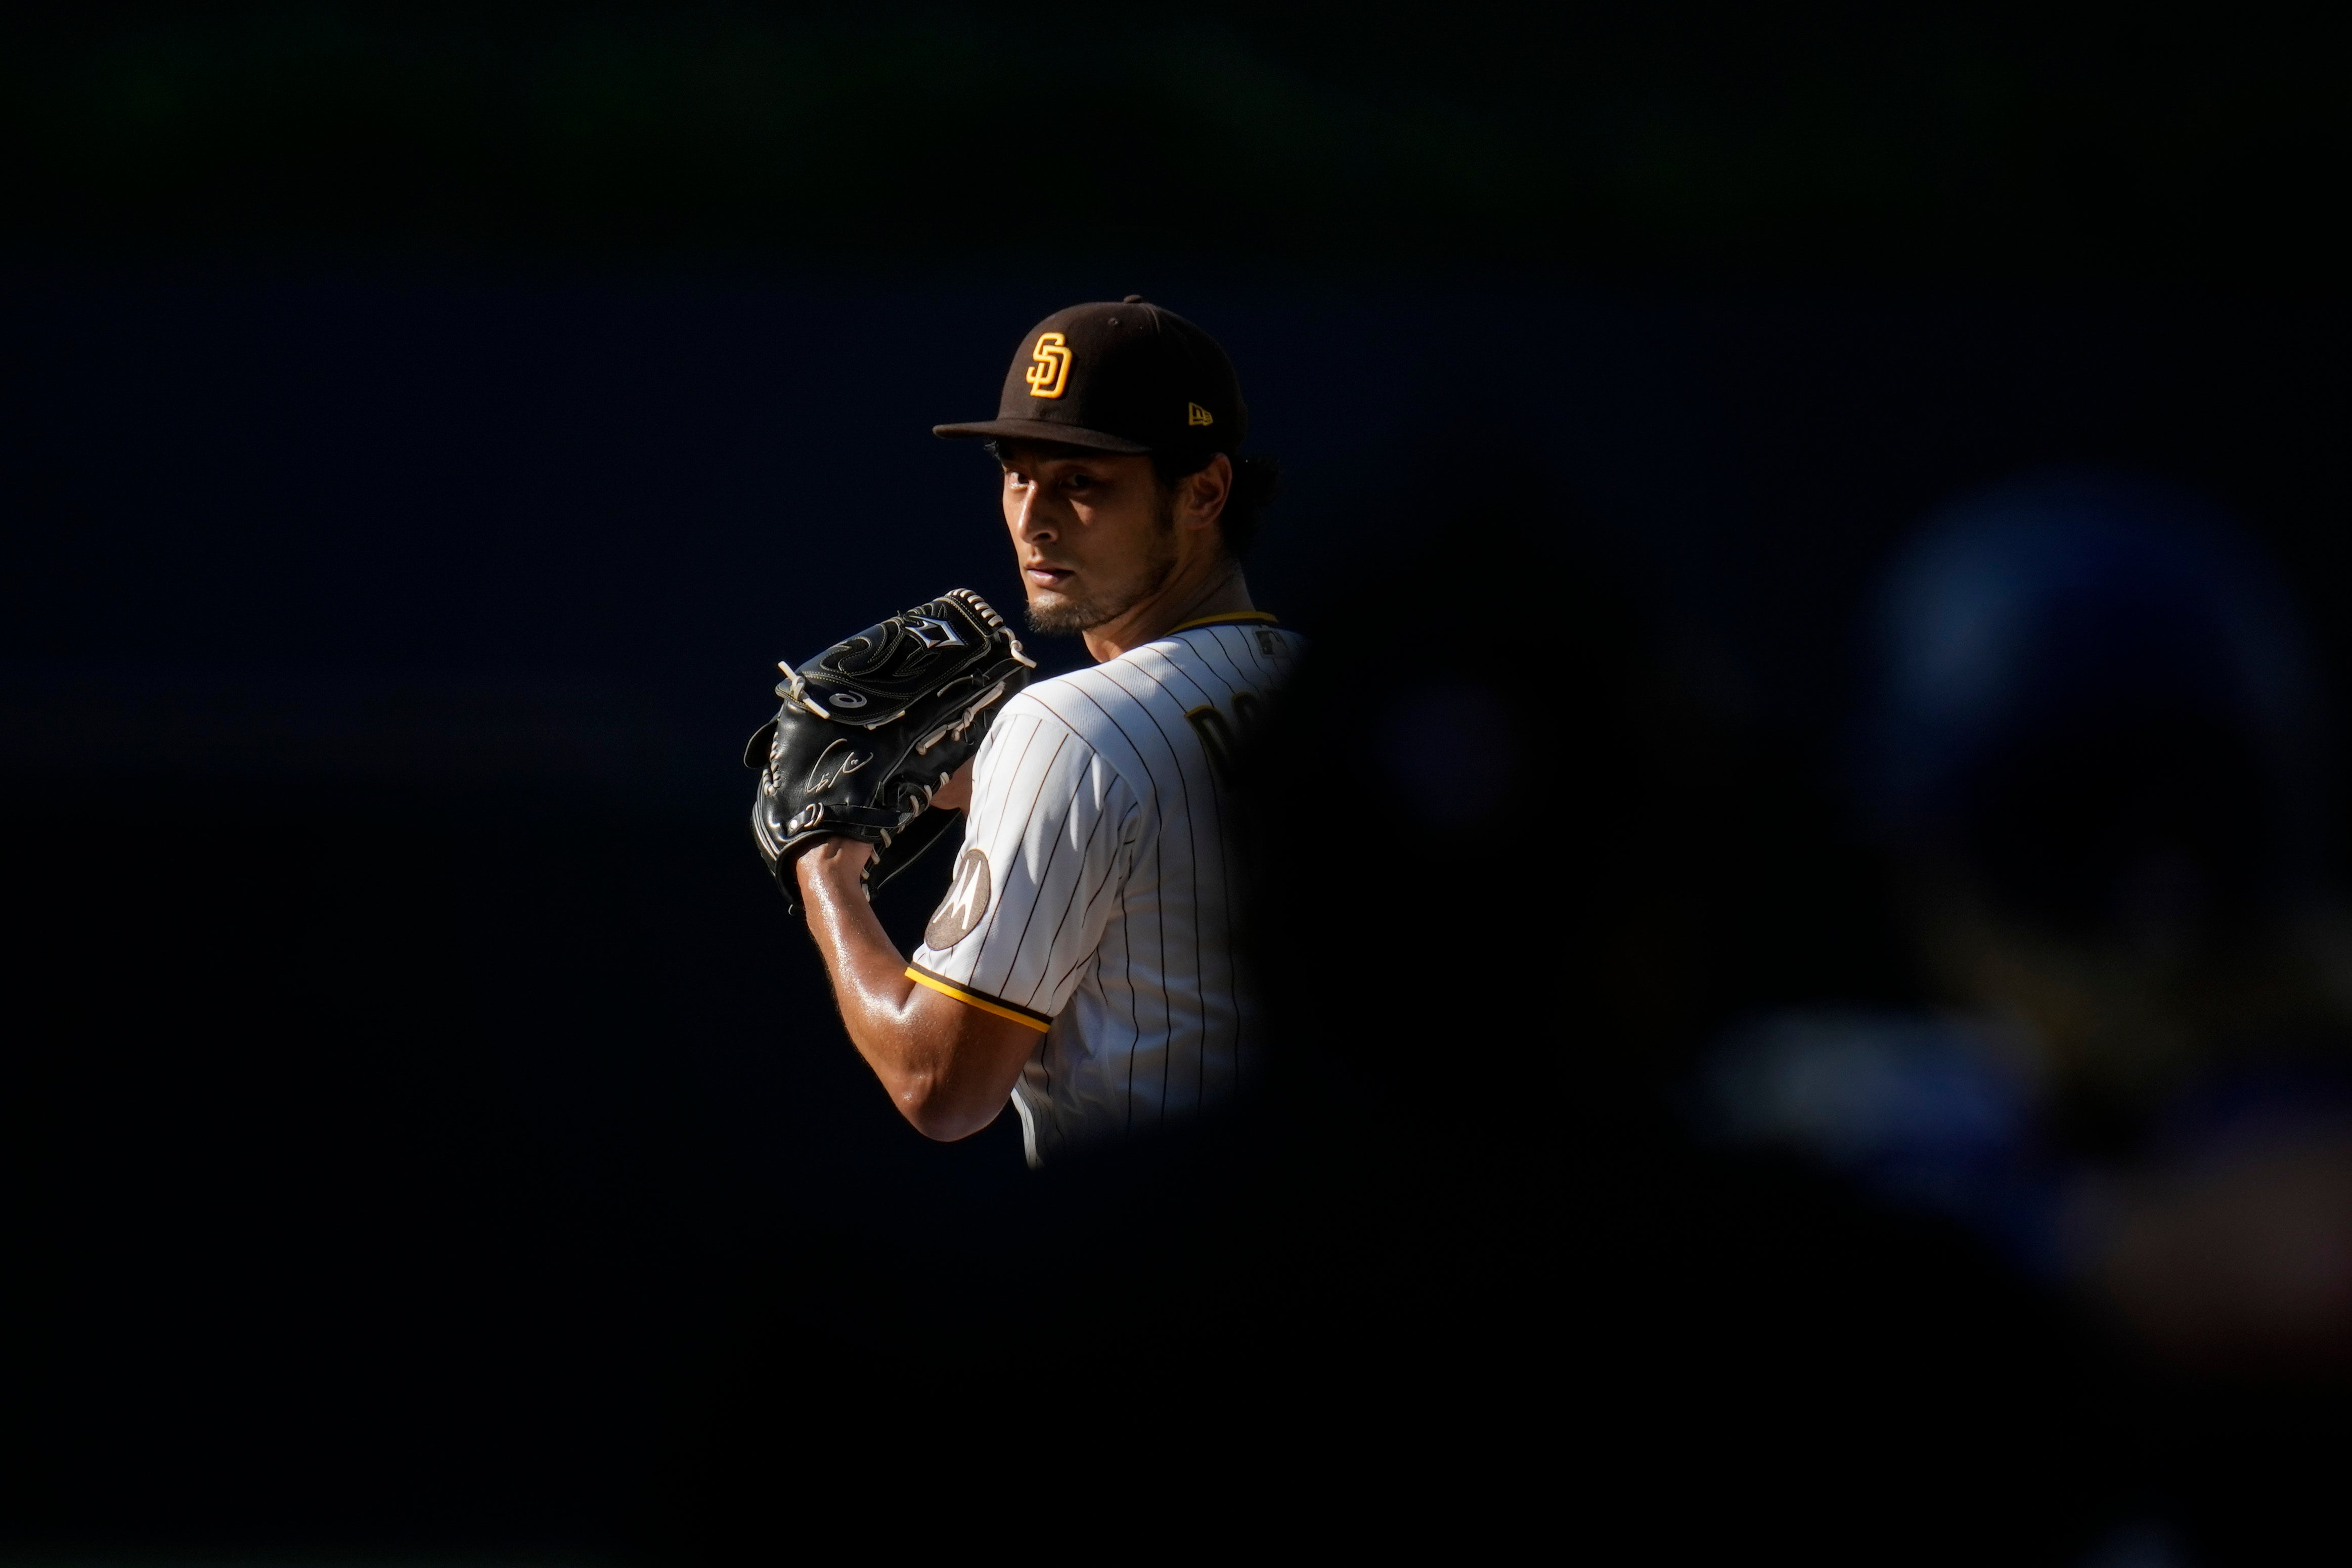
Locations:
1196 414
1050 376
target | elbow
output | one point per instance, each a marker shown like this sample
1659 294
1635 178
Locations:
940 1117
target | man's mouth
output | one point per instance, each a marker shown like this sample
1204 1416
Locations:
1043 576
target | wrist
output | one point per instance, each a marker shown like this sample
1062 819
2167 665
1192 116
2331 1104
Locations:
832 865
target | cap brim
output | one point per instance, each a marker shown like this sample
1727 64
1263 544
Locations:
1040 430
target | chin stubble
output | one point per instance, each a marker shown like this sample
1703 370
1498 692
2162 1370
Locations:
1070 615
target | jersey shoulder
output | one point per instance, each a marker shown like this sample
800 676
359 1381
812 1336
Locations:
1222 659
1091 705
1247 654
1123 714
1130 711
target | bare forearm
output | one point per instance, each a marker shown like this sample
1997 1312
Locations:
869 982
948 1068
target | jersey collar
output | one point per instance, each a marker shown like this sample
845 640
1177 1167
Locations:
1234 618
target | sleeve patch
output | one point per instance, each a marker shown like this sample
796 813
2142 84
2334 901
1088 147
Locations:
966 902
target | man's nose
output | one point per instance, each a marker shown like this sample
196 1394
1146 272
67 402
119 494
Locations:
1036 522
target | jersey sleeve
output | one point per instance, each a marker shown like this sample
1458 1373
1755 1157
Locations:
1049 840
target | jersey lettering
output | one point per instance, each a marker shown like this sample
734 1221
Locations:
1216 739
1217 736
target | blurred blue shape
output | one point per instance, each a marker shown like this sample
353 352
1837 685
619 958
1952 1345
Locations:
1926 1113
2031 610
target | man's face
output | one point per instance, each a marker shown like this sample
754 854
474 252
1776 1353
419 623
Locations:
1094 532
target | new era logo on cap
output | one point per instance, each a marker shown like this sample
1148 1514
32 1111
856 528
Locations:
1125 377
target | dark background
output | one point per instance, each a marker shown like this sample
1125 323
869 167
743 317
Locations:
423 429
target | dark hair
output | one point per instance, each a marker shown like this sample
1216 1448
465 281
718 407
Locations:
1256 482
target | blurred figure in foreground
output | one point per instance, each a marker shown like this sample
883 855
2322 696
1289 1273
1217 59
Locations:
1499 1250
2094 754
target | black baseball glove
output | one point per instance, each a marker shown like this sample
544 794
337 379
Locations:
873 726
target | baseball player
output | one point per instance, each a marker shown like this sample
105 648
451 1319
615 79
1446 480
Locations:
1083 962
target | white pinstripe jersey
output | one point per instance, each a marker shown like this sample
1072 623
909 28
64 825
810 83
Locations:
1093 899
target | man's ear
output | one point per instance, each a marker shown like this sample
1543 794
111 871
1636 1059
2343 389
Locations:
1207 491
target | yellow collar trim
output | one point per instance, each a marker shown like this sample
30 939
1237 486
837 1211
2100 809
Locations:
1265 615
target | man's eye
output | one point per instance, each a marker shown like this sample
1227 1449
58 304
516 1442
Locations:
1079 482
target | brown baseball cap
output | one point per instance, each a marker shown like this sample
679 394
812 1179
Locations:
1128 377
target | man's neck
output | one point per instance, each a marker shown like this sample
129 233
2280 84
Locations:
1219 591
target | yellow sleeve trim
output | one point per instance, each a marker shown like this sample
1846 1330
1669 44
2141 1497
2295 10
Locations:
1266 615
983 1003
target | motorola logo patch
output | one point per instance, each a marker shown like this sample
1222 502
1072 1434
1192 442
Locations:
967 901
